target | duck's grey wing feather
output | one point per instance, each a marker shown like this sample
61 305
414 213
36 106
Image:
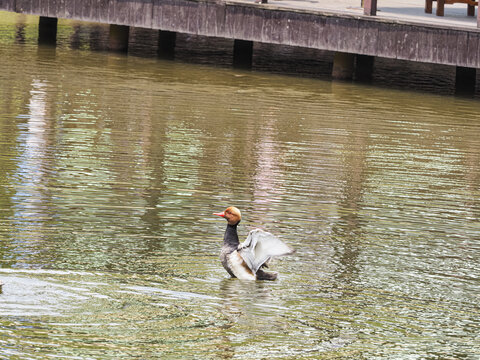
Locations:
260 246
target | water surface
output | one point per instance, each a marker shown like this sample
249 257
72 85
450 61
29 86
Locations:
112 165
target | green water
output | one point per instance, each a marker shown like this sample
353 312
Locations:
110 170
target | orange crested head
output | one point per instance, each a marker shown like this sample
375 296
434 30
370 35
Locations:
231 214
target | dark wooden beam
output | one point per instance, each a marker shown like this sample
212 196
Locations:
364 68
242 54
166 44
465 81
47 30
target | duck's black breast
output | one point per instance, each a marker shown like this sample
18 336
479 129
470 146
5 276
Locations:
230 238
230 244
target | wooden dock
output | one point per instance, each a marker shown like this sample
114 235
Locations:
339 26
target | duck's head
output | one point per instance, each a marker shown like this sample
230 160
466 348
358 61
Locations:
231 214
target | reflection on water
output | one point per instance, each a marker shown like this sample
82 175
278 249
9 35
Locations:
110 168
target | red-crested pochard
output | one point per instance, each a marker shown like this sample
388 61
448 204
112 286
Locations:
245 261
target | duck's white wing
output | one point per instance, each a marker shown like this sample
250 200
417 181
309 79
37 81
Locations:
260 246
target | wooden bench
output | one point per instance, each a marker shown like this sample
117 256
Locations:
441 6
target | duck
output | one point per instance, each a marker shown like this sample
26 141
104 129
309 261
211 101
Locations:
246 261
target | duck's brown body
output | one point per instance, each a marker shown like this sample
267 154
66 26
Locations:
245 261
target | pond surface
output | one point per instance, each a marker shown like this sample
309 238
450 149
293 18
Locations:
111 167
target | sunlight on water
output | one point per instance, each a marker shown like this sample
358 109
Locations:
111 167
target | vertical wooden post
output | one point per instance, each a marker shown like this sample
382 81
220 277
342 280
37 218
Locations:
465 80
370 7
242 54
118 38
343 66
440 7
47 30
166 44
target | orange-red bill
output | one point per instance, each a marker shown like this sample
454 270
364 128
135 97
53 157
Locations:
222 214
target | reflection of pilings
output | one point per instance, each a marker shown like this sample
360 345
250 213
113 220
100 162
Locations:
91 36
20 29
349 228
46 53
95 36
31 187
76 38
470 148
154 194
